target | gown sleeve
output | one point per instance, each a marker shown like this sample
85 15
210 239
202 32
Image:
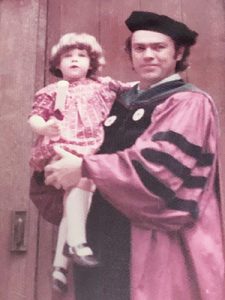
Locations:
159 181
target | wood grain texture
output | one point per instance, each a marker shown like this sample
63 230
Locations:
17 60
113 33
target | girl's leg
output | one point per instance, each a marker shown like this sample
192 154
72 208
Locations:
77 203
60 260
60 263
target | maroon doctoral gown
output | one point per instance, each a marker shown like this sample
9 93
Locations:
154 223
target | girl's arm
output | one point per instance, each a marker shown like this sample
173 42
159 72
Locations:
116 85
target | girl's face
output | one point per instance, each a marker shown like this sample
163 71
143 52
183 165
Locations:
74 64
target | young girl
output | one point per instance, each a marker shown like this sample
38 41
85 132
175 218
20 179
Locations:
70 114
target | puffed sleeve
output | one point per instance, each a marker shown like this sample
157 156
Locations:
43 104
159 181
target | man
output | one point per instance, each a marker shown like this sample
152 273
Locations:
154 223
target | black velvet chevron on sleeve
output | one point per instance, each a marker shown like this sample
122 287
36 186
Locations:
159 189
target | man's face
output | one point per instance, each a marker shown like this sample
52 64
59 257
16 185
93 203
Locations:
153 56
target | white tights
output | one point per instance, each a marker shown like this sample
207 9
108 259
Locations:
72 228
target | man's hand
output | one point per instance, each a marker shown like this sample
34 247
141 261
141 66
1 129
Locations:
65 171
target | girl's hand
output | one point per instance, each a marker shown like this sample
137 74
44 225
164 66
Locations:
51 128
65 171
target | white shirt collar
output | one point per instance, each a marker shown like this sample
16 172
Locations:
172 77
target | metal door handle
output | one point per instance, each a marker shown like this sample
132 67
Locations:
19 227
18 231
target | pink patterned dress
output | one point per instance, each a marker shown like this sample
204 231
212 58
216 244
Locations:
87 105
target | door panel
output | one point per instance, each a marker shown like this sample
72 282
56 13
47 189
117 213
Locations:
17 61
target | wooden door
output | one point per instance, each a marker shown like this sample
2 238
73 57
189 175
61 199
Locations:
28 29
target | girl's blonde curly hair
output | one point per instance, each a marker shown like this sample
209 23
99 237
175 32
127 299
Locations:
81 41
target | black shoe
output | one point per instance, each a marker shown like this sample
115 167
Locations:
82 260
57 284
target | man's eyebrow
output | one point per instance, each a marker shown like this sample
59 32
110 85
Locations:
140 44
151 43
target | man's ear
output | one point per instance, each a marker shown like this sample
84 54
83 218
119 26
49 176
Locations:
179 53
